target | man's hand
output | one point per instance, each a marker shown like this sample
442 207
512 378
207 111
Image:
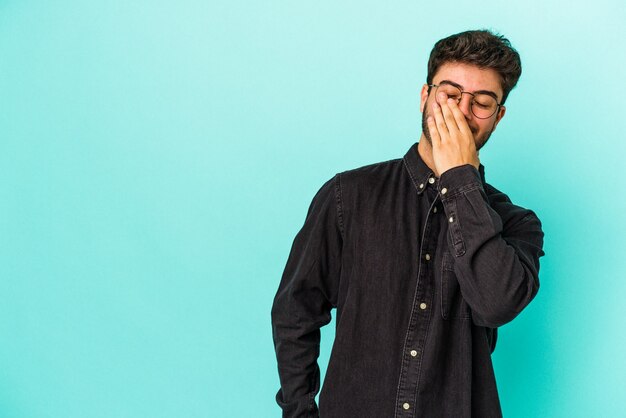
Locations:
452 140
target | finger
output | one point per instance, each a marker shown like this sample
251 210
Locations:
449 116
460 119
434 133
441 97
440 122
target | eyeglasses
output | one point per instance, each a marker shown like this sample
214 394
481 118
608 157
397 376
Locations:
483 105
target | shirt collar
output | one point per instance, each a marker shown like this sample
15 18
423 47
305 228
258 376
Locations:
420 173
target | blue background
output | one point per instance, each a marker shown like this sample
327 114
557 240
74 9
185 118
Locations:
157 159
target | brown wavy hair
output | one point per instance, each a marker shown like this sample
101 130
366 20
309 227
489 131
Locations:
482 48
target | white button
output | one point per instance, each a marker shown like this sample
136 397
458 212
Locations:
413 353
427 257
421 185
444 190
451 219
435 209
406 405
431 180
422 306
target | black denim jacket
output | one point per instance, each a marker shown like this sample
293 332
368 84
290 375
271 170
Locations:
422 270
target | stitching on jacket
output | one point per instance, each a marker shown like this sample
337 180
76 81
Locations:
339 204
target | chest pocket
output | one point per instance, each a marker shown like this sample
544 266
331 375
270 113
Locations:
453 306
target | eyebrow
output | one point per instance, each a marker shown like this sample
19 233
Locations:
460 87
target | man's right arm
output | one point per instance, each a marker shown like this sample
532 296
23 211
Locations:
307 293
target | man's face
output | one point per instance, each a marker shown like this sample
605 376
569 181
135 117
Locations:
471 79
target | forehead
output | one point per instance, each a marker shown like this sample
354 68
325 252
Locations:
470 77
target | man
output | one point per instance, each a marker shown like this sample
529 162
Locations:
422 259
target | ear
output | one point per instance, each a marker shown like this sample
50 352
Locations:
499 117
423 97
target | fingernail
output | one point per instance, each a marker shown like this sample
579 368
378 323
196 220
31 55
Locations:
442 96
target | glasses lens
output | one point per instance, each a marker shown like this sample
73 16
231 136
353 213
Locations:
450 91
483 106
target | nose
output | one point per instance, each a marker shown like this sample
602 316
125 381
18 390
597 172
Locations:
466 104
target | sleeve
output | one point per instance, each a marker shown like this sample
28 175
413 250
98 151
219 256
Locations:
305 297
496 259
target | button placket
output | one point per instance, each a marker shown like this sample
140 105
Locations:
419 321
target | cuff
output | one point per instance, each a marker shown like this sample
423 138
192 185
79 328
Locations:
458 180
302 407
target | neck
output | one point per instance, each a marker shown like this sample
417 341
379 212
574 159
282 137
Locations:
425 150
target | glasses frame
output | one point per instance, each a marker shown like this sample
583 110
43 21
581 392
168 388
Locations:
436 86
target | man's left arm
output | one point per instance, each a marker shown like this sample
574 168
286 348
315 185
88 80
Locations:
496 262
496 258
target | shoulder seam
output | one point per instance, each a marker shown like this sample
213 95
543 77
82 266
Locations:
338 203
